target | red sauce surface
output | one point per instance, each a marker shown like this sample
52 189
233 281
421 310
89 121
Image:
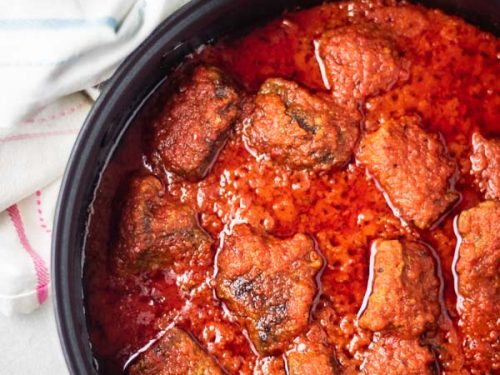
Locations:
453 87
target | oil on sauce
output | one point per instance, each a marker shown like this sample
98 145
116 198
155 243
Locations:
453 86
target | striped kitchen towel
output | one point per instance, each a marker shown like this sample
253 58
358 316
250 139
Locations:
51 51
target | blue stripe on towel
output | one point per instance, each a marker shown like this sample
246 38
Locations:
40 62
56 23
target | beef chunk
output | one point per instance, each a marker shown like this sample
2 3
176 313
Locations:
269 366
268 284
195 123
412 167
479 285
405 290
296 128
389 355
486 165
175 354
311 355
360 61
156 232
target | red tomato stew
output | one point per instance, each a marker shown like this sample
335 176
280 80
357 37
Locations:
319 196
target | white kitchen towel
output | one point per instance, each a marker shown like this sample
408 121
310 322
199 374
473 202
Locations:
50 51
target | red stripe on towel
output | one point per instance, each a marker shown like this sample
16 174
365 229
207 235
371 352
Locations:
42 273
39 210
20 137
55 116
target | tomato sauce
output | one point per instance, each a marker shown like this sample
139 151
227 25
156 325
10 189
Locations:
453 87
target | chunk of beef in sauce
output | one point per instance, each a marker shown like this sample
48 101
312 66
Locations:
268 284
195 123
412 167
405 293
360 61
389 355
269 366
156 232
296 128
478 268
175 353
486 165
311 355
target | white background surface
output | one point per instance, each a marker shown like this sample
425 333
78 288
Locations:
29 344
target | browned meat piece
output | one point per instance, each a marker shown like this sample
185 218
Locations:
360 61
405 291
479 285
298 129
412 167
195 123
175 354
311 355
269 366
268 284
156 232
392 356
486 165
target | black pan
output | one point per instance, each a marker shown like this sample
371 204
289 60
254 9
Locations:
194 24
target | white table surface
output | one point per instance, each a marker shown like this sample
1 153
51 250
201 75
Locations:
29 344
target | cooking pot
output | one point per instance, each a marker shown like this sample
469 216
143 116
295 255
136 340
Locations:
196 23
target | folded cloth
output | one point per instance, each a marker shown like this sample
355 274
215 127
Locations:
50 52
